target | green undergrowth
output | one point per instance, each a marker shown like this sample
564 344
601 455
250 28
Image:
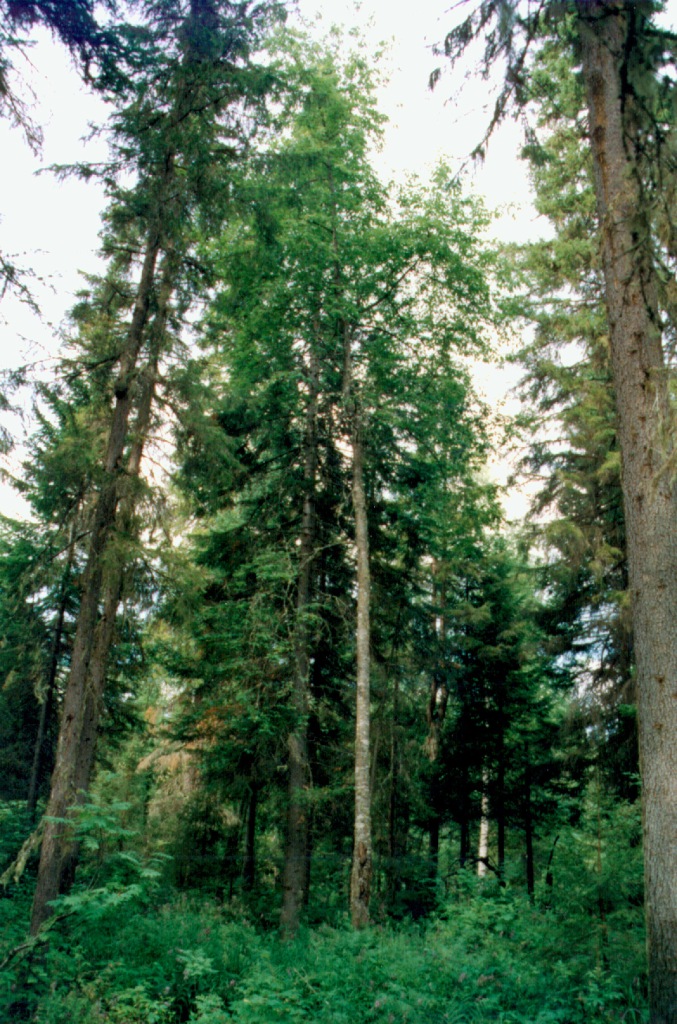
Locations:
494 957
126 948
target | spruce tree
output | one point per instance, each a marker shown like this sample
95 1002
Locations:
623 57
178 115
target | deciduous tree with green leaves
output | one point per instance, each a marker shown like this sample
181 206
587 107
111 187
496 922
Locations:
343 311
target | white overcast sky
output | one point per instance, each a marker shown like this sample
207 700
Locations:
52 226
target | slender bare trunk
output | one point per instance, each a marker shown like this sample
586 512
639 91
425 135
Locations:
483 839
649 487
435 714
360 881
295 876
361 873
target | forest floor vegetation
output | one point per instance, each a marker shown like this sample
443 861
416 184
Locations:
127 948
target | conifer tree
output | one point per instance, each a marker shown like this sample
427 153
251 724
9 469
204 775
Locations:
338 321
182 112
578 510
623 55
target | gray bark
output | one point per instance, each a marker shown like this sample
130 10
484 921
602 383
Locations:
483 837
295 879
360 880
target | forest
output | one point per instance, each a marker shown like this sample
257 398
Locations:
295 725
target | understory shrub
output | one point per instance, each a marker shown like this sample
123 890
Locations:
126 949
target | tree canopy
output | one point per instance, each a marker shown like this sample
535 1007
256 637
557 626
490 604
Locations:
284 697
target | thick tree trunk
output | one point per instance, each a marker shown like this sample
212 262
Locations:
126 529
649 488
114 577
296 853
80 712
360 880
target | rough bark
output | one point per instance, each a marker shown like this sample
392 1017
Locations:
80 712
115 575
295 875
649 489
360 880
114 578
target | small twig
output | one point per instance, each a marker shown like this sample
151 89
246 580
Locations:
16 869
24 948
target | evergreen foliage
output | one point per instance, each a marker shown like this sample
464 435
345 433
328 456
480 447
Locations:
578 512
265 622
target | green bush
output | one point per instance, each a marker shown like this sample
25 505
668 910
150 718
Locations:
128 950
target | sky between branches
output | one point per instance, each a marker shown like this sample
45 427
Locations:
52 227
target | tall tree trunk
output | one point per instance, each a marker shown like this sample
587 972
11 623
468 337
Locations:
49 702
464 816
361 873
296 853
80 712
360 880
114 578
435 714
649 488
